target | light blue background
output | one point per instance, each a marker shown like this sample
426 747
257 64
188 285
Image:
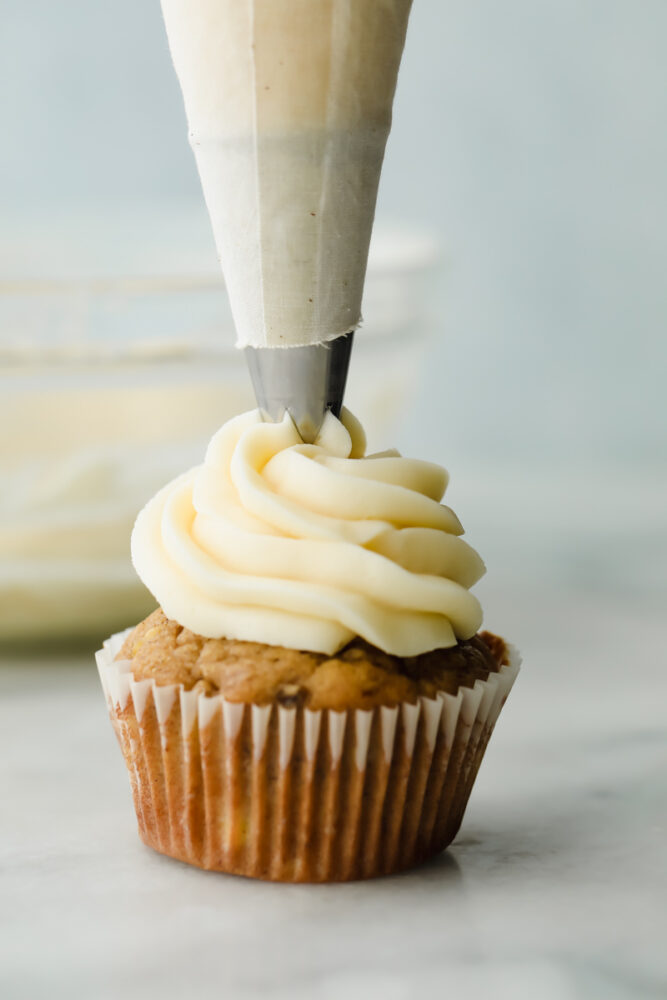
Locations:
531 136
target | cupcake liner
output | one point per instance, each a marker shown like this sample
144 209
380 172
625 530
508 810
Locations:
290 794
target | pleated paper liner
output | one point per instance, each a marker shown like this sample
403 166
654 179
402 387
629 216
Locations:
295 795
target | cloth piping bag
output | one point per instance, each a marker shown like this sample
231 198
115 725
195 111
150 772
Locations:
289 107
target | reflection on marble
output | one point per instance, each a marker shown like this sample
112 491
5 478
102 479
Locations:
554 889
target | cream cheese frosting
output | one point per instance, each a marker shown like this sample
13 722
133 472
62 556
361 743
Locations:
309 545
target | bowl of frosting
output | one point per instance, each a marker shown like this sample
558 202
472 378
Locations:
112 383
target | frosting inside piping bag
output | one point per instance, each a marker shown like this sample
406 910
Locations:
289 108
308 545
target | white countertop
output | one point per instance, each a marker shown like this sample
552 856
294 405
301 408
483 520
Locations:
554 889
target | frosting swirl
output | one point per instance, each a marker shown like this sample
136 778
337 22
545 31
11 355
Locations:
308 545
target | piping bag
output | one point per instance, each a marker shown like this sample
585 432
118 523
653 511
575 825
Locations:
289 107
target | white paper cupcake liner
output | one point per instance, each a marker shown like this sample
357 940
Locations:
290 794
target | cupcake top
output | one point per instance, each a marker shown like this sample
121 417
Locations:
309 546
359 676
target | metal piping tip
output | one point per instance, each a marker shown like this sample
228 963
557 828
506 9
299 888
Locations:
304 381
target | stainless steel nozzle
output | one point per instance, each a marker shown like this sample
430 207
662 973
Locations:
304 381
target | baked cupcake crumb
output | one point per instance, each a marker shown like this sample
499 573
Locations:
358 676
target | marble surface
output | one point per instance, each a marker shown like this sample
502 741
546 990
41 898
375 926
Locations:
555 887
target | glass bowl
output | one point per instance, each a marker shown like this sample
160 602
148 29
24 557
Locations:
111 387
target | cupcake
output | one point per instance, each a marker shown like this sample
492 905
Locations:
313 698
